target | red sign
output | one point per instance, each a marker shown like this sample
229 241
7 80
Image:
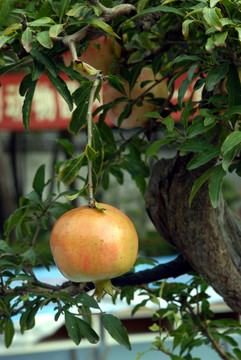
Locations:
49 109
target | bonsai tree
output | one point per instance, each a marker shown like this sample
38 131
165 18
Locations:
145 48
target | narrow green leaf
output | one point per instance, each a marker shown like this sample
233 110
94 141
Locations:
182 91
116 329
6 69
27 39
41 22
212 18
219 39
185 27
195 145
237 352
213 3
61 87
87 331
228 157
87 300
216 74
6 7
198 183
204 157
39 180
153 149
162 8
100 24
67 145
79 115
231 141
26 109
46 61
233 87
71 170
25 84
8 332
30 256
90 153
215 184
169 123
134 74
116 83
72 326
64 4
55 30
44 39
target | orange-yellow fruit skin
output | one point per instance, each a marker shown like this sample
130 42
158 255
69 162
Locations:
91 245
136 118
100 57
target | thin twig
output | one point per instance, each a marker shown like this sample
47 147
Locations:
98 78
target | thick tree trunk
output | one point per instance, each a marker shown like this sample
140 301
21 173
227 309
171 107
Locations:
209 239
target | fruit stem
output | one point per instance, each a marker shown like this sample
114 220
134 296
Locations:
97 80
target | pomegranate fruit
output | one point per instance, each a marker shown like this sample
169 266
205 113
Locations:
136 118
89 244
100 56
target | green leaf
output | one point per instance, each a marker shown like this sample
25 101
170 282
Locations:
6 7
215 184
229 156
87 300
182 91
116 329
55 30
79 115
46 61
194 145
134 74
231 141
26 109
185 27
153 149
44 39
212 18
39 180
8 332
237 352
6 69
116 83
204 157
219 39
61 87
41 22
64 4
162 8
100 24
72 326
90 153
216 74
67 145
87 331
198 183
30 256
25 84
169 123
71 170
186 58
27 39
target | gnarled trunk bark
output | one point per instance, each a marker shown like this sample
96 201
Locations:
209 239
